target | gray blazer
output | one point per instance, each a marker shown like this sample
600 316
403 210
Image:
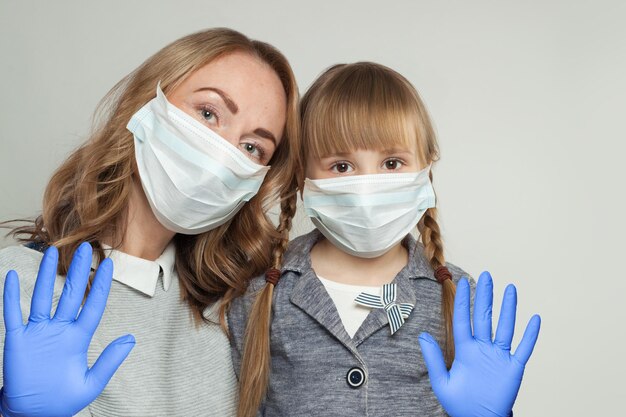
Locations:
318 370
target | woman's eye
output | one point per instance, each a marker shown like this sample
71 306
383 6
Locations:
208 115
393 164
253 150
341 167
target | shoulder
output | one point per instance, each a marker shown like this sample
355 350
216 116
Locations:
25 262
458 273
19 254
302 243
420 265
239 308
296 259
22 260
256 284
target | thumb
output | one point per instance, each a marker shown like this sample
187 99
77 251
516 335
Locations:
108 362
435 364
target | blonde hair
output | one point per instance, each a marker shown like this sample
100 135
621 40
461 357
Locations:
354 106
87 197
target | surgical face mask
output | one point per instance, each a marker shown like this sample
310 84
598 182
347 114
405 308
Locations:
367 215
194 179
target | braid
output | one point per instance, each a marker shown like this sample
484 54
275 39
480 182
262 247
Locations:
255 366
287 212
433 249
431 238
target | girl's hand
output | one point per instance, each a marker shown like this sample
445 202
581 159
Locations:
45 361
485 377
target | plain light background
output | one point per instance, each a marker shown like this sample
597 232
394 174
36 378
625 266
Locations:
527 98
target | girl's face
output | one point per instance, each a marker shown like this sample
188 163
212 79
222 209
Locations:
362 162
240 98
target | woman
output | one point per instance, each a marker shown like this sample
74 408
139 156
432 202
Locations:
184 223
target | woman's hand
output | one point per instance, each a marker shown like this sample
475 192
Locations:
485 377
45 361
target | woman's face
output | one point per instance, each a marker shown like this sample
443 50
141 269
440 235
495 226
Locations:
240 98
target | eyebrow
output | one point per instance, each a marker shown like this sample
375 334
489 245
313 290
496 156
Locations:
398 150
385 151
265 134
232 106
337 154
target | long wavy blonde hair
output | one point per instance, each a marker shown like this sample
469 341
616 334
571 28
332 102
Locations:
87 197
354 106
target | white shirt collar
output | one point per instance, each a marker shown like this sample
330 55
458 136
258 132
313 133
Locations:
142 274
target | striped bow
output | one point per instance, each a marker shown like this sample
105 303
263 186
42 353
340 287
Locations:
396 313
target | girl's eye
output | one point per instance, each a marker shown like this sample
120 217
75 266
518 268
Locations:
341 167
393 164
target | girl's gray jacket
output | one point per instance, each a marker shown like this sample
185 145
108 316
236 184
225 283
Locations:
318 370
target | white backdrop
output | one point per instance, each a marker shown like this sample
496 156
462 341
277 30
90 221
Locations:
525 97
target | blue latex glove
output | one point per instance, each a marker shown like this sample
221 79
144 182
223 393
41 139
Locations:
485 377
45 361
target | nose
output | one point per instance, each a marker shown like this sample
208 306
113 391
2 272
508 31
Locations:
368 162
231 136
368 170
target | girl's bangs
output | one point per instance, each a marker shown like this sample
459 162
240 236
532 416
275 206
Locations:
350 129
360 110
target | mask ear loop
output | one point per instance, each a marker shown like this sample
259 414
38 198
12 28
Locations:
442 274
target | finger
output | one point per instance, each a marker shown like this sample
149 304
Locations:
108 362
506 322
41 303
75 284
482 308
435 363
526 346
93 309
461 326
11 298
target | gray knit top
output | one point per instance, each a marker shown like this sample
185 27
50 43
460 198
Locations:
175 369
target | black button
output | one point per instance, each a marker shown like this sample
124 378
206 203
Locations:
355 377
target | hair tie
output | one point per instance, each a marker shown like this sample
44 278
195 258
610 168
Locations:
272 276
442 273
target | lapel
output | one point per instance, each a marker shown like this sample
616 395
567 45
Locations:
417 267
309 293
311 297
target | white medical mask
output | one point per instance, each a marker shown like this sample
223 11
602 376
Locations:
194 179
367 215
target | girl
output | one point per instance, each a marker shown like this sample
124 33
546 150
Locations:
349 300
169 187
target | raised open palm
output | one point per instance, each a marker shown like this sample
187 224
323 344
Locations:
45 361
485 376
